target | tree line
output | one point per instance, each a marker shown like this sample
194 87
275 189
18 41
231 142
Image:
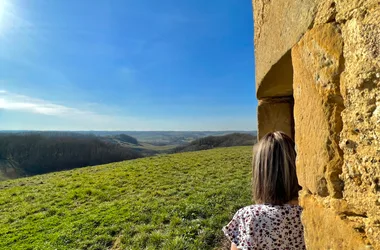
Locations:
209 142
38 154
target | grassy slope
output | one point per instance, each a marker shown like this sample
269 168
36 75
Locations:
178 201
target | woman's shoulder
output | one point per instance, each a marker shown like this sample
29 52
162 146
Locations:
262 209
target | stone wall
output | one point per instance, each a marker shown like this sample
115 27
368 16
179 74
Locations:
324 56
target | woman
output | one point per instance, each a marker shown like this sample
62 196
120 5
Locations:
274 222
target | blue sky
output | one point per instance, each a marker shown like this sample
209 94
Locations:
127 65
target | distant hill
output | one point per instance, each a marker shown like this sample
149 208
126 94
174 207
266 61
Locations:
153 138
121 139
27 153
126 138
209 142
31 154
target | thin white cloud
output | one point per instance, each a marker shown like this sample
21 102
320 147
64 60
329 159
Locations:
15 102
73 118
52 116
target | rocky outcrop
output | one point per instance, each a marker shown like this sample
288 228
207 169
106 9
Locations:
333 57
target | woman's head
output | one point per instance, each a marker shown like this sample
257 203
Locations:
274 172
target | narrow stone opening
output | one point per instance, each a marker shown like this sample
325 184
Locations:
276 103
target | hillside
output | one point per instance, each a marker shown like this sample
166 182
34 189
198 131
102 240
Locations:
31 154
155 138
143 148
178 201
209 142
122 138
203 143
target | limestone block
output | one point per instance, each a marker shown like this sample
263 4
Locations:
324 229
360 87
348 9
279 81
342 10
275 114
326 12
317 63
278 26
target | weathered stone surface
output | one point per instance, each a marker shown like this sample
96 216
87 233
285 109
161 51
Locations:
317 62
278 26
348 9
336 89
279 81
326 12
324 229
360 86
275 114
342 10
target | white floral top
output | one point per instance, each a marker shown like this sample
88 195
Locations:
267 227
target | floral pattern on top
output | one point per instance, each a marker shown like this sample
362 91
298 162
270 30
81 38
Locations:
275 227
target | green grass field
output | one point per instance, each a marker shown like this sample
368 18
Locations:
178 201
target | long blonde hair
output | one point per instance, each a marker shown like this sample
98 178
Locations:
274 171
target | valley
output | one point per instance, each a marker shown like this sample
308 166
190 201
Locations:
28 153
